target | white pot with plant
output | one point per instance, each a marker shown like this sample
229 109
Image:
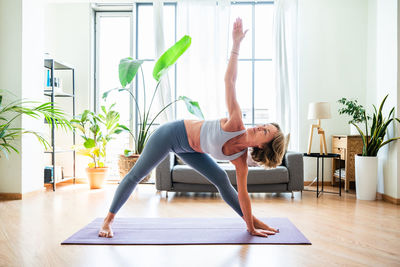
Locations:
355 111
366 164
97 130
128 68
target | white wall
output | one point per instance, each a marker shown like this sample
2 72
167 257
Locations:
10 79
332 65
383 79
21 53
68 28
398 98
32 89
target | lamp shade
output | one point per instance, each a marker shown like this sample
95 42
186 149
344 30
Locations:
319 110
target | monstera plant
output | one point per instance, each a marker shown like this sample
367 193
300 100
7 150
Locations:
128 68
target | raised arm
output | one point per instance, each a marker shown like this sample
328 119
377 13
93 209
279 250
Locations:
231 71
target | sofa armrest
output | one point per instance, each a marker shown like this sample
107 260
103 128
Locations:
294 163
164 171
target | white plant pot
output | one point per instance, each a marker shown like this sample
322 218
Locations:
353 130
366 177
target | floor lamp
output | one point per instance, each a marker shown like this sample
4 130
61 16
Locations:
318 111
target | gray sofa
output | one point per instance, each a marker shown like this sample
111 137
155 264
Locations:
289 177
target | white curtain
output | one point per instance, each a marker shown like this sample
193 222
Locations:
286 68
202 67
164 90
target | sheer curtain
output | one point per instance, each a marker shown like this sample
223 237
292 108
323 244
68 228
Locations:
286 68
201 68
164 91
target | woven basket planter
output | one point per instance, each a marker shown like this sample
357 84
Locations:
125 164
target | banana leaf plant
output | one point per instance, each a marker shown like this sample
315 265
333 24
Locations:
17 108
373 142
97 130
128 68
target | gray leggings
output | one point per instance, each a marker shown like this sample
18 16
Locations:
168 137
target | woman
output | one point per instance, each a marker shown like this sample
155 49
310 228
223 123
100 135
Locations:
227 139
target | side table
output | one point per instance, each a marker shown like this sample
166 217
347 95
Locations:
322 157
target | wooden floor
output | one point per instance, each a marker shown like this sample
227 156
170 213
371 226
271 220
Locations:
343 231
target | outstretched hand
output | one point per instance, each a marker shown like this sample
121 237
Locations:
237 32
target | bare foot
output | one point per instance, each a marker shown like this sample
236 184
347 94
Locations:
105 230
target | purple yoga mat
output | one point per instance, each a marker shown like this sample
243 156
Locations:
185 231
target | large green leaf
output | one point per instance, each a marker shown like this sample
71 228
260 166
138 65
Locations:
192 106
170 57
128 68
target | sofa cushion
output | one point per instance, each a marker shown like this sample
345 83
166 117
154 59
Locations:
257 175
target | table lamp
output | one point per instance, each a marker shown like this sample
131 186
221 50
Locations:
318 111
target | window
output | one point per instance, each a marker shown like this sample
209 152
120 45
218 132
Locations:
114 41
255 82
126 33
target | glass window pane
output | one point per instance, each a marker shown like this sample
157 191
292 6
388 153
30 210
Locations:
169 22
114 44
244 90
264 92
145 32
244 12
263 30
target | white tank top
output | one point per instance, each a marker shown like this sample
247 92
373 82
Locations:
212 138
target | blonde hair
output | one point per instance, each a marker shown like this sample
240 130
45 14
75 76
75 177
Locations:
271 153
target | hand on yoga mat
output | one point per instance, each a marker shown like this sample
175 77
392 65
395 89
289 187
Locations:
261 225
260 232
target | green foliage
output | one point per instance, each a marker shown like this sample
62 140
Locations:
128 69
372 143
170 57
353 109
17 108
97 130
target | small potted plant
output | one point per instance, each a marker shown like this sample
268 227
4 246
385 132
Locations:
366 165
355 111
128 68
97 130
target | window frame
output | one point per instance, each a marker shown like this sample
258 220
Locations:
134 51
253 59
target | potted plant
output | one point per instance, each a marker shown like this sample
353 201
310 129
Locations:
366 164
11 111
355 111
128 68
97 130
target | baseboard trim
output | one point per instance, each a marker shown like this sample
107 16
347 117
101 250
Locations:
389 199
19 196
10 196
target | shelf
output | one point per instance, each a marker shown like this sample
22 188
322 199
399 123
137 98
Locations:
60 151
48 63
58 95
53 92
66 178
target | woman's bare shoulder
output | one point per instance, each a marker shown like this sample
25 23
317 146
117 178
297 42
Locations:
232 125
